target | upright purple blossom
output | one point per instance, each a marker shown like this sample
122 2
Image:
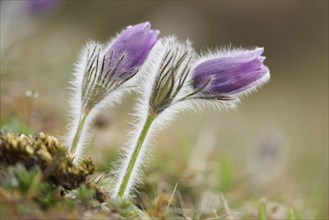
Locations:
230 73
106 70
132 46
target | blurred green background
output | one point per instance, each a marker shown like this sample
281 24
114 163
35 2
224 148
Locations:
276 141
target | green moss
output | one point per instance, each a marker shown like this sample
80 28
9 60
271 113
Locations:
38 178
48 154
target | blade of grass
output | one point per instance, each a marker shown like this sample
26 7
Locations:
171 198
292 215
228 211
262 211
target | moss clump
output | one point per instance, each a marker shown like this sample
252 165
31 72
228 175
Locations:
47 153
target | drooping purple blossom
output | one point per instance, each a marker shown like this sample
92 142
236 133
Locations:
168 84
231 73
131 48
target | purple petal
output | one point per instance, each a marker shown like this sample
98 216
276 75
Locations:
135 43
242 56
231 73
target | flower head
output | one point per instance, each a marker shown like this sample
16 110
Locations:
230 73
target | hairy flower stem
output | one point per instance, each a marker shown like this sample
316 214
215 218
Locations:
77 135
132 161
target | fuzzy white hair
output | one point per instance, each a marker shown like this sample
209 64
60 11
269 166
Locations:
150 67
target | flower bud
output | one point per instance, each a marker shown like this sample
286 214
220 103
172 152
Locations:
231 73
131 48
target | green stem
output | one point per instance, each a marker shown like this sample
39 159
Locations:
77 135
135 154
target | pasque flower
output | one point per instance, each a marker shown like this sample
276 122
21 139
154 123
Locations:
176 79
103 74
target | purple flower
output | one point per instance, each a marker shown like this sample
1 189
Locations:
42 6
230 73
131 48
